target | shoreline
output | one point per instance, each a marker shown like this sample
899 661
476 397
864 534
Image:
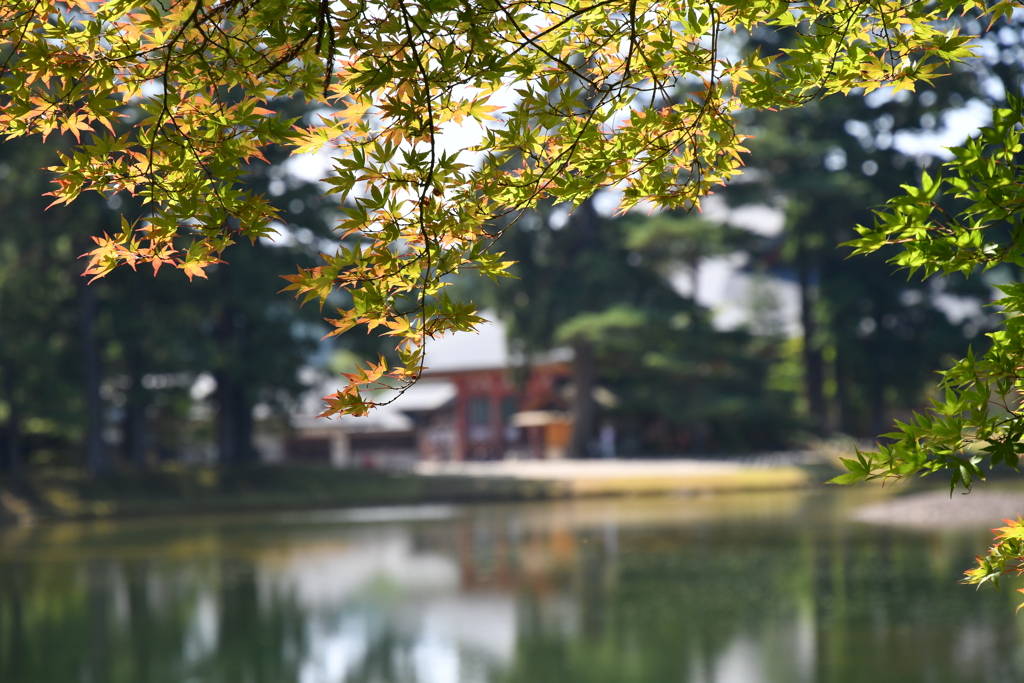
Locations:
68 494
935 510
629 477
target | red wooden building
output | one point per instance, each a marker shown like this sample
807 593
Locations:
495 410
473 403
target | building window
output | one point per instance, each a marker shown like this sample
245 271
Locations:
509 406
480 411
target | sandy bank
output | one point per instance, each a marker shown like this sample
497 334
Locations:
610 477
931 510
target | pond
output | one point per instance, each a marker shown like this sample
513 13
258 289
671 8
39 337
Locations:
743 588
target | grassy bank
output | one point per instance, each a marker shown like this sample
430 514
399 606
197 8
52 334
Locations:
69 494
175 489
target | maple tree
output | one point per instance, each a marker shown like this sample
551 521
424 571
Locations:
168 101
964 219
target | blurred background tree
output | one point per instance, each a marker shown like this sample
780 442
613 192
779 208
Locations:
648 360
42 303
872 339
134 368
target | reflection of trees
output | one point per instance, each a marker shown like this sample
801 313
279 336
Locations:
827 603
383 660
129 622
793 596
256 642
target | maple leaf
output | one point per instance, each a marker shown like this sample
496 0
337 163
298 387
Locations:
191 269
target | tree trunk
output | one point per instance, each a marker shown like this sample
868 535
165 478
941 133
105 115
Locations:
226 442
845 416
136 434
12 430
700 437
95 450
877 423
584 370
234 423
586 227
694 263
814 365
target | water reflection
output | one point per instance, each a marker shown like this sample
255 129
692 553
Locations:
753 588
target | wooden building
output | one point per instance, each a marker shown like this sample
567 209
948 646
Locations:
474 402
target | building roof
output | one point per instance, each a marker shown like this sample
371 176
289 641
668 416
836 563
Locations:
485 349
424 396
382 419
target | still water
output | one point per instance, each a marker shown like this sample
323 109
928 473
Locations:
752 588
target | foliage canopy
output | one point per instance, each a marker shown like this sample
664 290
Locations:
169 101
966 219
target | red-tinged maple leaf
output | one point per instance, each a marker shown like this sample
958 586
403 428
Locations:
346 401
158 260
103 258
193 269
84 5
76 125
